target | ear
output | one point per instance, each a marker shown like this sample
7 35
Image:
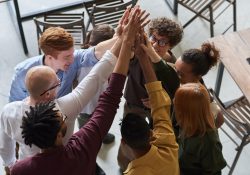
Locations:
47 95
50 57
59 138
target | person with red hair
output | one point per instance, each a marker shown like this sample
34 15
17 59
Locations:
200 149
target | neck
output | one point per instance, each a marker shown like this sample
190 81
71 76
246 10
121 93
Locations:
48 150
48 62
32 102
139 153
167 57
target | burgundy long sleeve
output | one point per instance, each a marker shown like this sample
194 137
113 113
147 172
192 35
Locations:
78 157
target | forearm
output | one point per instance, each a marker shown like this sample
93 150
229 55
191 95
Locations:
7 149
124 58
168 76
115 49
108 103
86 89
147 70
154 57
160 106
101 119
102 47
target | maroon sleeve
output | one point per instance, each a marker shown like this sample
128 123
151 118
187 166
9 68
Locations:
89 138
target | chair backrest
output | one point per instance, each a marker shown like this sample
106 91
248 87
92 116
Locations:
71 22
209 10
236 115
201 7
107 12
89 4
237 118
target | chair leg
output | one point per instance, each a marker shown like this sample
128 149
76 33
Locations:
219 79
234 15
20 26
211 21
175 9
240 148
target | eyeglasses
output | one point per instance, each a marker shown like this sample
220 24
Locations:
161 42
53 87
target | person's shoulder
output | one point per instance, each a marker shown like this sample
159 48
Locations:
212 135
21 166
78 52
84 58
13 108
28 63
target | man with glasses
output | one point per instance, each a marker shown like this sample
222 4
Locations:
164 34
59 54
78 156
42 84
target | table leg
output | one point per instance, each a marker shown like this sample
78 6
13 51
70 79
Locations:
19 22
219 79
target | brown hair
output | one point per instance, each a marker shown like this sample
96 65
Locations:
192 110
98 34
168 28
202 60
55 39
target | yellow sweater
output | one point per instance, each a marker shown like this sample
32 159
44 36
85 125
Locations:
162 158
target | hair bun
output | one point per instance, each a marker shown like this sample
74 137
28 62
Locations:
211 53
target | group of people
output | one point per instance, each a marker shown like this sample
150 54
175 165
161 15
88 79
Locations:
169 124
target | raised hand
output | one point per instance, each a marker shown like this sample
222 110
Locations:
135 21
123 21
130 24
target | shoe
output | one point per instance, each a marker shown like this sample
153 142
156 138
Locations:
109 138
99 170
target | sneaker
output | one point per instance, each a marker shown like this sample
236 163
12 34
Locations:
109 138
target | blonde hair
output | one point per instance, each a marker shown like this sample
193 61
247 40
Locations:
192 110
55 39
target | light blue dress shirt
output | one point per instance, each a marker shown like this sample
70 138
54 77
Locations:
82 58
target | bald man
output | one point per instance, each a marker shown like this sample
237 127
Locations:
42 84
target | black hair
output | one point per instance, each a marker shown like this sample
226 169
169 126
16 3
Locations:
41 125
203 59
135 131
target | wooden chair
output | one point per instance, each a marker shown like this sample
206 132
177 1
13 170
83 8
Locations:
71 22
237 118
106 11
206 10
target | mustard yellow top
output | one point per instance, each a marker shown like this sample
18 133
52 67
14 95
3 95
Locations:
162 159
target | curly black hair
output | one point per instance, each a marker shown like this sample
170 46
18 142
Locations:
203 59
41 125
135 131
